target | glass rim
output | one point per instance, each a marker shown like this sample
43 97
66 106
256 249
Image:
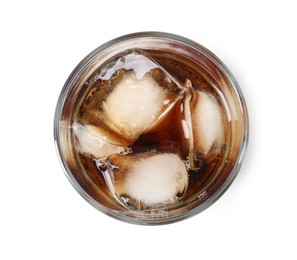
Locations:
225 185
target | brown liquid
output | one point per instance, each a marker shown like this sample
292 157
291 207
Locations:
167 136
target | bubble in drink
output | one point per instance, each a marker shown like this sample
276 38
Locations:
151 134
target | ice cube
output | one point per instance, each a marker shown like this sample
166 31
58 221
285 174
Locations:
207 121
190 97
106 135
157 179
149 180
130 95
95 142
134 105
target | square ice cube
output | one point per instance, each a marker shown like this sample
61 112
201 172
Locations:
133 95
134 105
94 141
149 179
208 124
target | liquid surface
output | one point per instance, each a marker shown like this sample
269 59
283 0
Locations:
149 131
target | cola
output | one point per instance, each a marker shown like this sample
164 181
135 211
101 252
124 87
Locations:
189 126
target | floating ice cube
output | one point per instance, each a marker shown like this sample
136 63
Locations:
95 142
157 179
134 105
131 95
106 135
151 179
187 127
207 123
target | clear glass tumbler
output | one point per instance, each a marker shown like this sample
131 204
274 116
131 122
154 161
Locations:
151 128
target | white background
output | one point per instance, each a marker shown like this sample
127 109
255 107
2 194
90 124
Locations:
43 217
